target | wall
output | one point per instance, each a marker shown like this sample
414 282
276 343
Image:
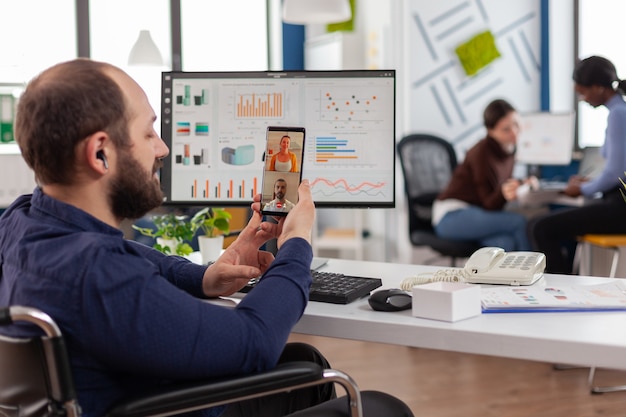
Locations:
443 99
561 54
433 94
16 178
534 71
436 96
387 37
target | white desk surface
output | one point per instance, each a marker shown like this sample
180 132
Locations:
541 198
576 338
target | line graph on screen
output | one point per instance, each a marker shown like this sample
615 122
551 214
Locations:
364 188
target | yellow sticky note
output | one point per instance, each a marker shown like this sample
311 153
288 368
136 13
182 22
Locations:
478 52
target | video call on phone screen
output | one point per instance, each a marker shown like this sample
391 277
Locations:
282 170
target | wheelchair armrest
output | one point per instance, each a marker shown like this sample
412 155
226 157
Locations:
178 398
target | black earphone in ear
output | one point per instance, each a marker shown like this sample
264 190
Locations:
100 155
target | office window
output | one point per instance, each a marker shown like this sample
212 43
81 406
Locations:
35 34
224 35
600 24
115 26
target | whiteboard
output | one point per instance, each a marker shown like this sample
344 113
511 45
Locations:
546 138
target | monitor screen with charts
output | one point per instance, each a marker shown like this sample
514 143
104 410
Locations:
546 138
215 126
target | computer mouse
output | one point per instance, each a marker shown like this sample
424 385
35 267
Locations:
393 299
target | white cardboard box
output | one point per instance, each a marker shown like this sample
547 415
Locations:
447 301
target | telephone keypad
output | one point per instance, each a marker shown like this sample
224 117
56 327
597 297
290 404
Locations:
518 262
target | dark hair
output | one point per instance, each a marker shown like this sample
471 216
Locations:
495 111
596 70
63 106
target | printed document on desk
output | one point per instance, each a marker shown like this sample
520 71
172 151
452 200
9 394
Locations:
542 298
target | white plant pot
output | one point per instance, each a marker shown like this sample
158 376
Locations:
210 248
170 243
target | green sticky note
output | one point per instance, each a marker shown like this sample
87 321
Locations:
478 52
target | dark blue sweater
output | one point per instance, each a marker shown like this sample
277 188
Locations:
133 317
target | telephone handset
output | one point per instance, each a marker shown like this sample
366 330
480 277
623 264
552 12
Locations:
489 265
492 265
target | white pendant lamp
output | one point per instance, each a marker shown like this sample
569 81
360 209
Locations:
145 51
304 12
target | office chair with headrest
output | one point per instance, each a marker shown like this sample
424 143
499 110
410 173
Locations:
36 379
427 165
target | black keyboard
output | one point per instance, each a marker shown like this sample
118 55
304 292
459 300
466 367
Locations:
332 287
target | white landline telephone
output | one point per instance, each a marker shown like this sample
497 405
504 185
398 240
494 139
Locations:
489 265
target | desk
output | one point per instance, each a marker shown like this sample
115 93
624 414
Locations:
586 339
542 198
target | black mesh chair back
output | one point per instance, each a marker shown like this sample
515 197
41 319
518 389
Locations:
427 165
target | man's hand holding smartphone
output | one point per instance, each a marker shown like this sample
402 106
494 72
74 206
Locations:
298 224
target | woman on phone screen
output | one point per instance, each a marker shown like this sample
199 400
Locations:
284 160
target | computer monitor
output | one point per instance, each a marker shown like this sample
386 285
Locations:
546 138
215 124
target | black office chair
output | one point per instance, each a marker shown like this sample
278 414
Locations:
36 380
427 164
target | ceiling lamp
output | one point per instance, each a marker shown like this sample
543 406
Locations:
145 51
302 12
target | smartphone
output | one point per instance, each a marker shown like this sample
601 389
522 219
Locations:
282 171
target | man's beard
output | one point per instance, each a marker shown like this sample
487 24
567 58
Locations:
133 191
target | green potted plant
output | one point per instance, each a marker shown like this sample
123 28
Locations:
173 234
212 221
214 224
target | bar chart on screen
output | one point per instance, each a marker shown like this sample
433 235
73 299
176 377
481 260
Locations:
259 105
233 189
330 149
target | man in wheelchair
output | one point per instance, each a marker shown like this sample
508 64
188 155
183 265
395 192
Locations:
132 317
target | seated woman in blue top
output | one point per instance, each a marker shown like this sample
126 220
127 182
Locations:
554 234
471 207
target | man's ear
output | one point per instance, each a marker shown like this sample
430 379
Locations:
96 151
